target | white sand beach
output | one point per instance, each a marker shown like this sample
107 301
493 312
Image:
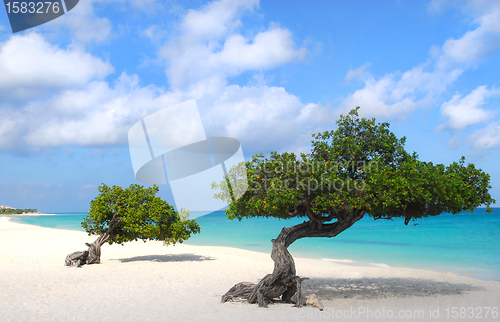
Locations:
151 282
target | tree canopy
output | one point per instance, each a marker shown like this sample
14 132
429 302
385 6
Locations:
120 215
361 167
13 211
136 213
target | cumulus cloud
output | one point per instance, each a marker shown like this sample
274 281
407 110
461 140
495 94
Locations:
215 19
380 98
209 45
259 115
485 139
154 33
209 48
361 73
397 94
95 115
84 25
85 110
101 115
478 43
465 111
29 65
268 49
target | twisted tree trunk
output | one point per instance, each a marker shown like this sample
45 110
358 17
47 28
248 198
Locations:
90 256
283 284
93 254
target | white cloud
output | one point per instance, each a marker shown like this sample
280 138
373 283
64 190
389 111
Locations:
209 48
100 114
268 49
85 110
487 138
259 116
465 111
29 64
361 73
97 114
208 45
83 23
478 43
86 27
154 33
215 19
387 96
398 94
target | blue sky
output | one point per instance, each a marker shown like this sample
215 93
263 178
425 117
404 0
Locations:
267 73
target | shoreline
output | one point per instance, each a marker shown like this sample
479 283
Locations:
28 214
474 273
486 277
148 281
343 262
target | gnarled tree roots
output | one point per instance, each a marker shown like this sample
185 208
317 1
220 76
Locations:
283 283
286 289
90 256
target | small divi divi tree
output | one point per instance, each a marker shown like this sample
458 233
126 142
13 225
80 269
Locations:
359 169
120 215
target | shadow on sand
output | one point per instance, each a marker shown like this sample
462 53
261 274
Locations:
167 258
371 288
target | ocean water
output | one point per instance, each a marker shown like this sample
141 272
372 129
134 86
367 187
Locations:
467 244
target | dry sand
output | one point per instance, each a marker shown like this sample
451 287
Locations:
150 282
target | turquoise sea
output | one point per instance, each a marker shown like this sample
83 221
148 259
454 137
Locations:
467 244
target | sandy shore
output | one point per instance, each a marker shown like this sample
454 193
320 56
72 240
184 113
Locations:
150 282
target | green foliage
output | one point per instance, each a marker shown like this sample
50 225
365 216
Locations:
136 213
17 211
361 167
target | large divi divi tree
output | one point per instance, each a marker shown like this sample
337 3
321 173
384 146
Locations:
359 169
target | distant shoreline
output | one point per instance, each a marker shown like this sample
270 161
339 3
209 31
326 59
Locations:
28 214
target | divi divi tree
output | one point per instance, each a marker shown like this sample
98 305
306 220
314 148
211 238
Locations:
359 169
120 215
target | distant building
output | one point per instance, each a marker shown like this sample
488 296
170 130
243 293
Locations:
6 207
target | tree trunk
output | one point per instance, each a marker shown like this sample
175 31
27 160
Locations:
90 256
283 284
93 254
